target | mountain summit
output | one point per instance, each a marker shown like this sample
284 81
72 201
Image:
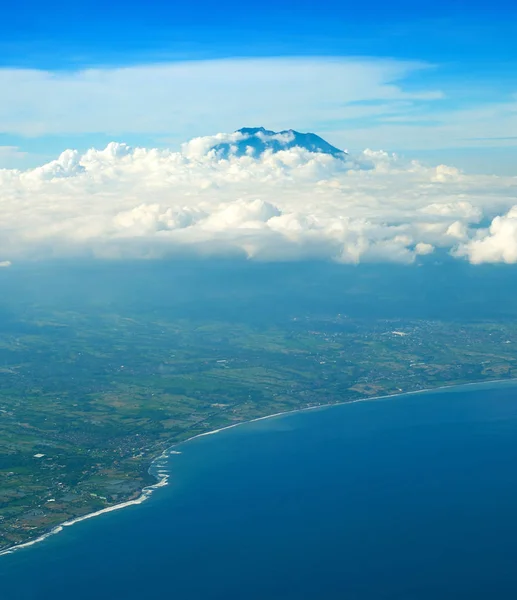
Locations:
254 141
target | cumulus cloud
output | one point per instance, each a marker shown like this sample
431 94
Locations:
149 203
498 243
422 248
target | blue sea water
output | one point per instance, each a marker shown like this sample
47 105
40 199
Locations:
413 497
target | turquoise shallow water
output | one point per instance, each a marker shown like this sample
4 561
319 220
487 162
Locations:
402 498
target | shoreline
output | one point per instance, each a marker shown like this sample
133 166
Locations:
144 495
163 480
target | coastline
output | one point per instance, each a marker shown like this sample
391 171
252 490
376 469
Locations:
145 494
162 480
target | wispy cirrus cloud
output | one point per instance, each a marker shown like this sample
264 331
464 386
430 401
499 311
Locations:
11 156
192 98
355 102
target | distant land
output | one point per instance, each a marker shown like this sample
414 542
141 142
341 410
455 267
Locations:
257 140
102 367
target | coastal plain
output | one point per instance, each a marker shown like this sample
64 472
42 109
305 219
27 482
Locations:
92 388
86 403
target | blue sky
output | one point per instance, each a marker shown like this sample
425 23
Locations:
65 34
434 80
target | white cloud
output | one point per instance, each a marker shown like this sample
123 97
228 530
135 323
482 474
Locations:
11 156
355 101
422 248
492 124
183 99
125 202
496 244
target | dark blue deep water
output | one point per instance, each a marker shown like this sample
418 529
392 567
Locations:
413 497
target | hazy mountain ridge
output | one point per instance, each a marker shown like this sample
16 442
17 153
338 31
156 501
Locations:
254 141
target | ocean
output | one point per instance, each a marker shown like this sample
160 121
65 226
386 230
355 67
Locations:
411 497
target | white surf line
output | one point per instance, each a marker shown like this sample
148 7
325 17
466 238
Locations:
145 495
164 480
331 404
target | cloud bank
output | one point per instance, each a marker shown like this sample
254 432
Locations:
123 202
